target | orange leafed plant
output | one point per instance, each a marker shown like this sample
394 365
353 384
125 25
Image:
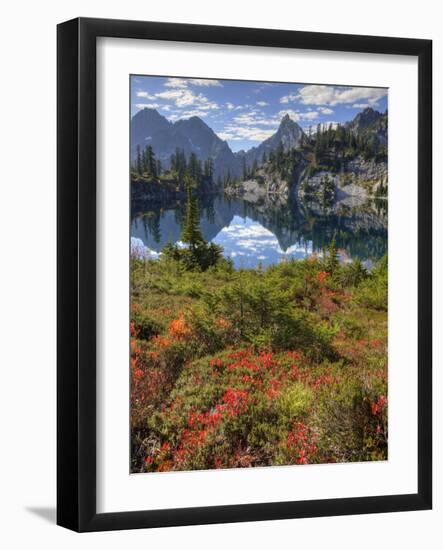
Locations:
179 329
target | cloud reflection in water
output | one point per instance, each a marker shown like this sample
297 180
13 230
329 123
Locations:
247 242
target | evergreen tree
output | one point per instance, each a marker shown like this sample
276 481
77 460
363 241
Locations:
194 168
191 230
332 260
144 161
150 165
178 165
139 164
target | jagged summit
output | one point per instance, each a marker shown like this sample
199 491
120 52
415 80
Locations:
285 119
289 134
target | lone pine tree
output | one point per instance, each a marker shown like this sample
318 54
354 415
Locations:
191 230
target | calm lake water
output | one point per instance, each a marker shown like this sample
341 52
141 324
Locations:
268 232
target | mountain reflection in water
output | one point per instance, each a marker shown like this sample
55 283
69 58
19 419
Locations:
265 233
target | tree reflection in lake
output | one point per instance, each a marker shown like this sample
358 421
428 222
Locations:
265 232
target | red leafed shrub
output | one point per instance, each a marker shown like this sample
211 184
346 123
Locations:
322 276
379 406
236 401
301 444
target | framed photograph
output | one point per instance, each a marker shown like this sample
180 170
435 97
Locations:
244 274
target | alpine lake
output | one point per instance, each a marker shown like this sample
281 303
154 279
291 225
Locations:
269 231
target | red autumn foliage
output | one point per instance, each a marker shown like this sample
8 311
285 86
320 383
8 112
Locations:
379 406
301 443
322 276
236 401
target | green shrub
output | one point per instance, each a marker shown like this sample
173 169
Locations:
145 325
295 401
373 291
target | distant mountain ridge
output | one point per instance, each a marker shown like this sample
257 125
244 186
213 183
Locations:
193 135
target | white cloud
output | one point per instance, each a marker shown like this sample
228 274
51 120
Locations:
176 83
183 83
255 127
310 115
253 118
194 112
228 136
144 95
325 110
147 105
331 95
297 115
231 107
288 98
205 82
360 105
251 133
183 97
262 103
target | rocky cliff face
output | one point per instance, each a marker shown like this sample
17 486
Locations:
360 179
262 184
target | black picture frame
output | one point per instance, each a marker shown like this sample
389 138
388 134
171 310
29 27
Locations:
76 281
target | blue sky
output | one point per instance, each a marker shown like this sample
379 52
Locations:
245 113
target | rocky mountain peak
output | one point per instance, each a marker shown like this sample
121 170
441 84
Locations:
365 118
289 133
150 116
285 120
196 127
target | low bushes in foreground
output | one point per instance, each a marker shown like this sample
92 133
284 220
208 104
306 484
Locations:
257 367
